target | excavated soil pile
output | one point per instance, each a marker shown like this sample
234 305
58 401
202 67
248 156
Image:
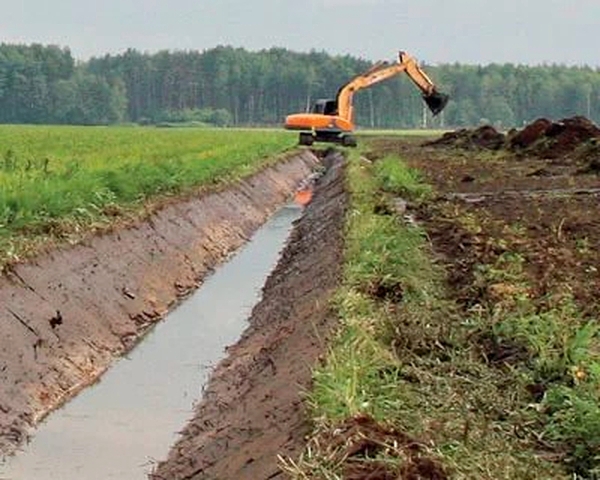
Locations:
485 137
574 139
546 139
65 316
522 139
253 410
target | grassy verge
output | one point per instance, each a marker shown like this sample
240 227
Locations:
414 386
56 182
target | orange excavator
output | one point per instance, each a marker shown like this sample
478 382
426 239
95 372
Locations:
333 120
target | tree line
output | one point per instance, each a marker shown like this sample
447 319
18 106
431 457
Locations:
233 86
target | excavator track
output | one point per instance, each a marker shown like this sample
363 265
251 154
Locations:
340 138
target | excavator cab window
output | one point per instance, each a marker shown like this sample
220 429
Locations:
325 107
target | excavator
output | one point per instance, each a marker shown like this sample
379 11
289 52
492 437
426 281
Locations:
333 120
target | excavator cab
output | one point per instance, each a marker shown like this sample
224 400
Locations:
325 106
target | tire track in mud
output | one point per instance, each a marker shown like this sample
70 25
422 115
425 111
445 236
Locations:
252 409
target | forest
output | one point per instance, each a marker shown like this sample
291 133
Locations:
227 86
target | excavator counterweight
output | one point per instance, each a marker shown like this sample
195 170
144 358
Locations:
333 120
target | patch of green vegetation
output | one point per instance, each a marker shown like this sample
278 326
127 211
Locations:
507 389
396 177
562 369
548 349
58 181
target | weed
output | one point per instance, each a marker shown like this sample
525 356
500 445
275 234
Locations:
396 177
572 420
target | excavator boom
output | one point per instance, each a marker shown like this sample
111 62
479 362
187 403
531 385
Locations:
337 124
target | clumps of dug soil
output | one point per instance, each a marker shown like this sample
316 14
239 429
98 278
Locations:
576 138
485 137
356 443
546 139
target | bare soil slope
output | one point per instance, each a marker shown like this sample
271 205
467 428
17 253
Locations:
67 315
253 409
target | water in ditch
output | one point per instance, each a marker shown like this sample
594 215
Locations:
120 427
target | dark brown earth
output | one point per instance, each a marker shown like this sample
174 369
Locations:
68 314
544 210
253 410
547 139
570 140
485 137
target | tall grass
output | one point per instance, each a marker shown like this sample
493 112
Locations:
76 175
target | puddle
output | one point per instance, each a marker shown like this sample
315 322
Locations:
120 427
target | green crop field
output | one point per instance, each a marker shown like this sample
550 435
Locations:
56 181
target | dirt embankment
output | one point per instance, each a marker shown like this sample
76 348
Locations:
66 315
253 409
575 139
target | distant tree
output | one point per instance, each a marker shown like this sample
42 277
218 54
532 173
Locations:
499 113
89 100
44 84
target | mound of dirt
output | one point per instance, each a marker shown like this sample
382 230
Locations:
484 137
529 135
575 139
546 139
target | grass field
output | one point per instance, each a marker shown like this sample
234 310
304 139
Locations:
56 181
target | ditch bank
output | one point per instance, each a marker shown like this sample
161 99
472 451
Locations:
68 314
252 409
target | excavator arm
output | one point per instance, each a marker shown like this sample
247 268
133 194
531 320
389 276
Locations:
382 71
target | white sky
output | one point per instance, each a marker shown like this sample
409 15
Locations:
435 31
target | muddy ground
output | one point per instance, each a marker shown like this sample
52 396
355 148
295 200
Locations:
253 410
68 314
538 201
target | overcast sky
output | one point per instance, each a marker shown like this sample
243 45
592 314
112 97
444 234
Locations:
435 31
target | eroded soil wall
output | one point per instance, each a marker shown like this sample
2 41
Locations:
66 315
253 410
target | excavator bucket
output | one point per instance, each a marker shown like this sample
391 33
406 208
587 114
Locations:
436 101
